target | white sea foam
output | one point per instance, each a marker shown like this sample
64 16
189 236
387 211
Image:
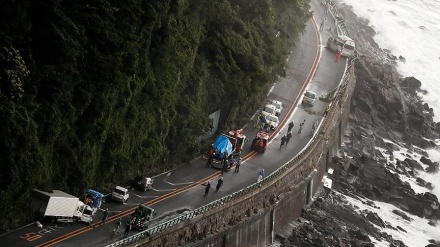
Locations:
410 28
434 155
418 232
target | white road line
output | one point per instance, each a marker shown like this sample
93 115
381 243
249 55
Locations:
178 183
163 190
144 196
271 89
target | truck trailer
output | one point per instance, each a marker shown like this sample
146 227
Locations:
56 206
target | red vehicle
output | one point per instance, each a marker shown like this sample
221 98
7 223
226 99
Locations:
260 142
143 183
237 140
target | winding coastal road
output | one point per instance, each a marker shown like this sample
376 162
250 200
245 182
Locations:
310 67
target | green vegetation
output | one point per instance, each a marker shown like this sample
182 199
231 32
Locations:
94 92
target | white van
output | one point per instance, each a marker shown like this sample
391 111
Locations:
278 105
342 42
120 194
272 119
309 98
270 109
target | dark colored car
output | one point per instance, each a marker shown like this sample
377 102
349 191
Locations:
143 183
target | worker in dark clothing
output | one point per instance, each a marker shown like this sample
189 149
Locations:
210 159
327 109
127 229
283 140
237 167
291 124
208 187
225 168
231 162
104 217
288 136
219 184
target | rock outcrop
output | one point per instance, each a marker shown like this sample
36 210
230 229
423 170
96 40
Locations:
387 115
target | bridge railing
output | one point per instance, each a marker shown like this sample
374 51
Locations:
316 138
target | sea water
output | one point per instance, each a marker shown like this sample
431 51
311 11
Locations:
418 231
411 29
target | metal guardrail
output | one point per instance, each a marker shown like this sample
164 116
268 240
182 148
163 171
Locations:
258 185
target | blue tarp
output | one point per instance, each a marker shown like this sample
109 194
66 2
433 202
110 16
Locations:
96 198
223 145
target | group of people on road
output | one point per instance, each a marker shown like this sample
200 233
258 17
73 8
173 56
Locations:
264 124
128 225
217 187
220 183
285 139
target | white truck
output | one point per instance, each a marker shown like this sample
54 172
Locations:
120 194
57 206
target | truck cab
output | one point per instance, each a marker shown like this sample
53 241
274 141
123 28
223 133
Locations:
120 194
142 216
85 213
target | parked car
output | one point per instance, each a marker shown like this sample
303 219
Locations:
309 98
270 118
344 43
278 105
120 194
270 109
143 183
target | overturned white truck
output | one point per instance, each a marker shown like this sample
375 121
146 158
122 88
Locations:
57 206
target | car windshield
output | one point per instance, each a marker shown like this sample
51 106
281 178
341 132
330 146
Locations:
348 47
268 109
309 95
117 191
277 104
87 212
272 118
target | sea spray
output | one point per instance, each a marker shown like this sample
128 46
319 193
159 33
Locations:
411 29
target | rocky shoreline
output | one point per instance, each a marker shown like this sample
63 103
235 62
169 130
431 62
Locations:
387 115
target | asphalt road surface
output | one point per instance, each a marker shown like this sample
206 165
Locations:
310 67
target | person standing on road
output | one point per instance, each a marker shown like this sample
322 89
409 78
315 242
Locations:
208 187
117 226
289 135
291 124
260 175
224 168
127 229
219 184
327 109
321 26
210 159
237 167
338 55
104 217
301 126
231 162
283 140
